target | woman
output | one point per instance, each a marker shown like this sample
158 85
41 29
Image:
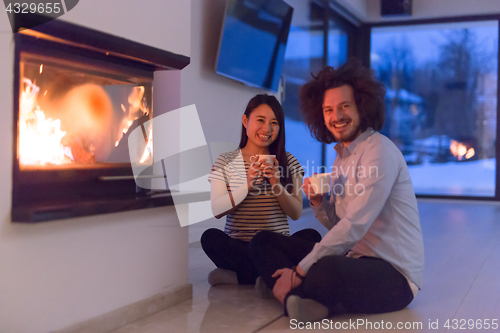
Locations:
254 195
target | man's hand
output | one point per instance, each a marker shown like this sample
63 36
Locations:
286 282
310 192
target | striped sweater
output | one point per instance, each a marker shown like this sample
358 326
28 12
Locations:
260 210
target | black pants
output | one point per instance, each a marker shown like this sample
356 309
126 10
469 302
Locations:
233 254
363 285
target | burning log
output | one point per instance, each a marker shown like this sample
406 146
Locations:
80 153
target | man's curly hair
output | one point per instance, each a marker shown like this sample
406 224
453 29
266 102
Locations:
368 91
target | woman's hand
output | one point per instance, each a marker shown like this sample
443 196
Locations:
272 172
254 171
310 192
287 280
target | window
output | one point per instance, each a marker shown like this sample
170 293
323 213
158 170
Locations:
441 102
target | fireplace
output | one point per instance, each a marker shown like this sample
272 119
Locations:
78 93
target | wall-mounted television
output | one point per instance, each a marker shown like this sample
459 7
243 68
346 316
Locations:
253 42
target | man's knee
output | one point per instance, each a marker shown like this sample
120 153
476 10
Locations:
324 279
326 268
331 262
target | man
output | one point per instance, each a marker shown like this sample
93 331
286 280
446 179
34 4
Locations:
371 260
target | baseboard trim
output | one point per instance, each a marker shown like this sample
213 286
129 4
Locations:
133 312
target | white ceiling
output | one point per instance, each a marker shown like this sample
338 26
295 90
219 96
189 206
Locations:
369 10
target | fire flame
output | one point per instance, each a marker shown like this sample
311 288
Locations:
137 108
148 151
460 150
39 138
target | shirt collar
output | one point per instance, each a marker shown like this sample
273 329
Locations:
340 149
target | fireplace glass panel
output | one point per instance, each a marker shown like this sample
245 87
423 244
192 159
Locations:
78 115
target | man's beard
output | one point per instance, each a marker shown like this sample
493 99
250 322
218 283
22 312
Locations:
350 137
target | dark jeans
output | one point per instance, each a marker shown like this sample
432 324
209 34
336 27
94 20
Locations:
233 254
363 285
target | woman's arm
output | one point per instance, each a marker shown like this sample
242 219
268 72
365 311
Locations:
291 203
224 201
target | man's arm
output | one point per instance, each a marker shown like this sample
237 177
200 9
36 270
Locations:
374 189
323 210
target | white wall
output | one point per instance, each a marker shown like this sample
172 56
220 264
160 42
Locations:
160 23
56 274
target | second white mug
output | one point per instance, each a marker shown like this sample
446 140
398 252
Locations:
321 182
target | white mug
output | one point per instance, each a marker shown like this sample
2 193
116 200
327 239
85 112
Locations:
320 182
266 159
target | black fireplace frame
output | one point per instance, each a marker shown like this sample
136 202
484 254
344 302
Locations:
44 195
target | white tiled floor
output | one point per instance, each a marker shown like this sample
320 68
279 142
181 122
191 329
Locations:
462 244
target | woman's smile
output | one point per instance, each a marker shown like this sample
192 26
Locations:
264 138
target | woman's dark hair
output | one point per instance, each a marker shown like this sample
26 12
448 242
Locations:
278 146
368 92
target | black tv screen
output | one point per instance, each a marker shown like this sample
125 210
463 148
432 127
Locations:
253 42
